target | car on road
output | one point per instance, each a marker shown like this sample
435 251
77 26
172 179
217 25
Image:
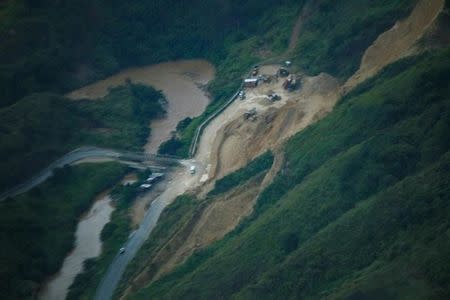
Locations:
242 95
192 170
122 250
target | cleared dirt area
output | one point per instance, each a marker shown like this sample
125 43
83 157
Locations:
398 42
231 141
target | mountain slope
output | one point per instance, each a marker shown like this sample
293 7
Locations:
341 176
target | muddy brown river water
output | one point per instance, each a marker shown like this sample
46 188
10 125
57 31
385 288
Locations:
87 245
182 82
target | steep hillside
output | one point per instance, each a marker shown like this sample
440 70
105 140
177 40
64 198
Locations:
359 209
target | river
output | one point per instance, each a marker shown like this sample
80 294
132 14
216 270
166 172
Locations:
87 245
182 82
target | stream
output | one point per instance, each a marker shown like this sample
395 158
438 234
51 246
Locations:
87 245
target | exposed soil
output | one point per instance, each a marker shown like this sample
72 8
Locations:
238 141
398 42
305 13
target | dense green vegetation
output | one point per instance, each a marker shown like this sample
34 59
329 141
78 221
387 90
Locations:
37 228
256 166
113 237
360 209
41 127
336 33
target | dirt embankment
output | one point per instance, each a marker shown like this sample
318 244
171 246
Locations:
398 42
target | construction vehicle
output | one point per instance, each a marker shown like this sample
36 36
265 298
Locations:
273 96
283 72
250 114
255 70
290 83
242 95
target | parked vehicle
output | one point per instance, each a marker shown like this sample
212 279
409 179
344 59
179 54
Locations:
192 170
242 95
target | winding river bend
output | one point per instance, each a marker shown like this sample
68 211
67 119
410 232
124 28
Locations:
87 245
182 82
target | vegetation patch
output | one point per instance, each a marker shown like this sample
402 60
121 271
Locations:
256 166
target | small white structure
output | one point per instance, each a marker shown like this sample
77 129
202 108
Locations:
192 170
288 63
251 82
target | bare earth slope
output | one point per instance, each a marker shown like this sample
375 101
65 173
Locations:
397 42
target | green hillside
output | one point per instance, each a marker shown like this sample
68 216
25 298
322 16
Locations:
359 211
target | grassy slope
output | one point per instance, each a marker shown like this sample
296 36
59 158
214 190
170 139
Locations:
336 34
348 190
35 238
41 127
